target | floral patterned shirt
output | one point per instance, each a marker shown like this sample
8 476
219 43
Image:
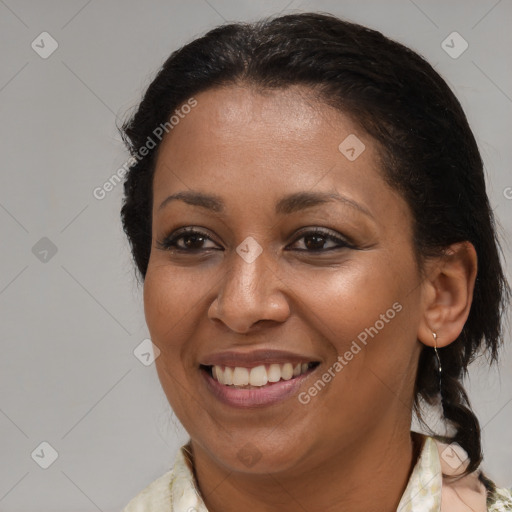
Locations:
432 486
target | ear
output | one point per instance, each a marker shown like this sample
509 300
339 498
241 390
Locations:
447 294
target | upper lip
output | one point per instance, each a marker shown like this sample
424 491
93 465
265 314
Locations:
255 358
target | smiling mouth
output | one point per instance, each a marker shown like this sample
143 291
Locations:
239 377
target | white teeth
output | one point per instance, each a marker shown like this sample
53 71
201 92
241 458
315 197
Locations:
228 375
259 375
274 373
287 371
240 376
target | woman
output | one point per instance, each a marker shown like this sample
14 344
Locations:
307 209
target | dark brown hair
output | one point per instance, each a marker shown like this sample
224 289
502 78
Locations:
428 151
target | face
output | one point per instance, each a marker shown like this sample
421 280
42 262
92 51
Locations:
287 260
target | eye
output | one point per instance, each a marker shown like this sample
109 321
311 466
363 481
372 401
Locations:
314 241
192 241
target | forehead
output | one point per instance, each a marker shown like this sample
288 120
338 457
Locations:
238 141
234 114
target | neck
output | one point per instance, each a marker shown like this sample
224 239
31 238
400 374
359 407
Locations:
370 477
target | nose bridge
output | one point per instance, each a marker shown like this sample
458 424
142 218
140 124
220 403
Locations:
249 291
246 279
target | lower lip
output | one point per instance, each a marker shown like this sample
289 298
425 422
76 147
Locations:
254 397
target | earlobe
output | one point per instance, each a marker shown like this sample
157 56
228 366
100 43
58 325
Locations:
448 294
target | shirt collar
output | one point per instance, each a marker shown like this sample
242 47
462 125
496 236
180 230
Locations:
423 491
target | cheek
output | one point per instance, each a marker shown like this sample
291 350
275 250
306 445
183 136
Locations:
168 304
372 318
348 301
170 296
369 319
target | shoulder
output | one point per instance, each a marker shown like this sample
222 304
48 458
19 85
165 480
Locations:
474 490
499 499
174 491
155 497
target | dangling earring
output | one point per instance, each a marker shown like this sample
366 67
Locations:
438 359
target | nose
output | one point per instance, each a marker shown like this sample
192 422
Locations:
249 293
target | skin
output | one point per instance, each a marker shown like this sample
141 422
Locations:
350 447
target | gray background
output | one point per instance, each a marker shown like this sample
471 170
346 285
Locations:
70 321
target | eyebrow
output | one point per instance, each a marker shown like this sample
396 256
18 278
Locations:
285 206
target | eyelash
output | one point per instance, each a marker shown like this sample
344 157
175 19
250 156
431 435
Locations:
170 242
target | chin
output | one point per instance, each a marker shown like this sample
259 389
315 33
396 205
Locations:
256 454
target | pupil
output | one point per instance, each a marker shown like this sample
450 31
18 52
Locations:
316 237
192 237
